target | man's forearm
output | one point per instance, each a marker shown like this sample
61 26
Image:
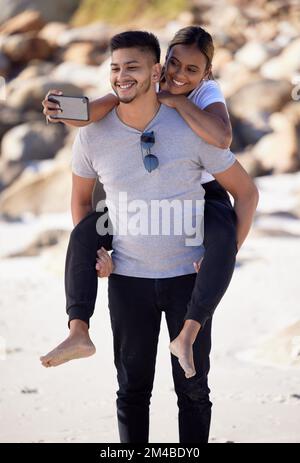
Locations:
79 212
245 210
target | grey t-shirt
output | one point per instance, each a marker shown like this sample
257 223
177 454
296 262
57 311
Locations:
148 241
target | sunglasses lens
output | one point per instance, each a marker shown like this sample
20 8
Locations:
150 162
147 140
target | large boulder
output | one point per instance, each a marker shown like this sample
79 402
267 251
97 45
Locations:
284 65
4 65
97 32
27 21
32 141
247 133
260 96
28 95
46 239
44 187
253 54
233 77
250 163
21 48
54 10
292 110
278 151
36 68
85 53
9 172
79 75
52 31
9 118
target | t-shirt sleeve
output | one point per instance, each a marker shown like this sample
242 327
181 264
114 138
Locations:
216 160
208 94
81 162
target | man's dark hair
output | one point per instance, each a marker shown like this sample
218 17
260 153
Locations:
144 41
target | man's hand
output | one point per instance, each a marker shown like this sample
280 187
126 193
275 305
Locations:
104 264
51 109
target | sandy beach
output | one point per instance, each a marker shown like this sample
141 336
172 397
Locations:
256 393
255 359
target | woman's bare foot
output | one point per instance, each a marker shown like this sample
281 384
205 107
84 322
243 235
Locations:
77 345
183 350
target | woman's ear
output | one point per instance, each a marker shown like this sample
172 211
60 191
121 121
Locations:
208 73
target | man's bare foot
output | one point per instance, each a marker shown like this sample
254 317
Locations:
76 346
183 350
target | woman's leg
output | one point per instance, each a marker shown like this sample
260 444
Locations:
215 271
81 283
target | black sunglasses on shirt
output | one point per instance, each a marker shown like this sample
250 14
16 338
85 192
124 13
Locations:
150 160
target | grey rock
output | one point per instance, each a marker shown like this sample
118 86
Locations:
56 10
24 22
9 172
97 32
4 65
43 188
253 54
44 240
28 95
261 96
21 48
32 141
284 65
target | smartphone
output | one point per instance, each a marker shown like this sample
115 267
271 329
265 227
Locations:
72 107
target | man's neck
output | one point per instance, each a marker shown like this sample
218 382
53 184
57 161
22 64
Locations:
139 113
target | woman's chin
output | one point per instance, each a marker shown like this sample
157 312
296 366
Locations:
176 90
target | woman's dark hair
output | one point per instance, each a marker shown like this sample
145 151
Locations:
195 35
144 41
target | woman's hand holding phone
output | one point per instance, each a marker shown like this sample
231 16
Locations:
72 110
50 108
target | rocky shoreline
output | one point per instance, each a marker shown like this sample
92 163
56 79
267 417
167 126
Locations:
257 63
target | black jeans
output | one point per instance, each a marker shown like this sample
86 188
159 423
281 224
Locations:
136 306
212 280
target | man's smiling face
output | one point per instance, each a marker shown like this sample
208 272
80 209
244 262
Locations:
131 73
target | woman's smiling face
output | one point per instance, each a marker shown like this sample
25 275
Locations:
186 66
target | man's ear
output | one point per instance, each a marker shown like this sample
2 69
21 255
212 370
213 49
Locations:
156 72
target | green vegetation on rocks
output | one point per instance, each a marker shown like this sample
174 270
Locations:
124 12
